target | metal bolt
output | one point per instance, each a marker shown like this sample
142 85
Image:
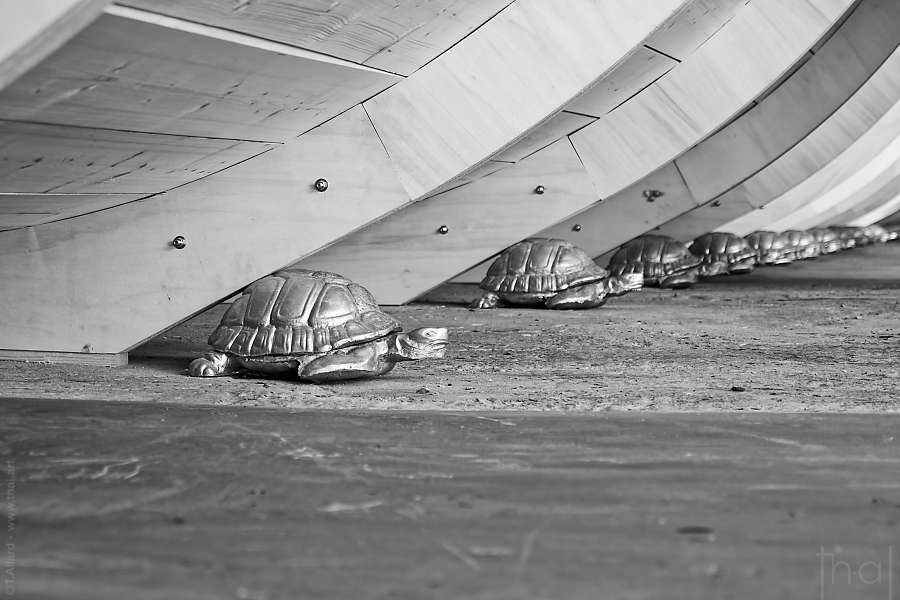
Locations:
179 242
443 230
576 227
321 185
539 189
652 195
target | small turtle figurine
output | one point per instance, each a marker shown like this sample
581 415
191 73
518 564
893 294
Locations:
827 240
770 247
847 236
723 253
316 325
877 233
550 273
664 261
801 243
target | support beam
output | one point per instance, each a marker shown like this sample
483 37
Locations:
758 137
625 213
30 31
859 114
111 279
129 72
874 151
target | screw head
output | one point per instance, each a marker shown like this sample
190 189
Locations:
652 195
443 230
576 227
179 242
321 185
539 190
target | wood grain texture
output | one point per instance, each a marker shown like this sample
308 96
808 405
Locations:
555 128
800 105
726 162
23 210
815 151
52 158
460 109
869 155
395 35
120 73
719 80
878 214
627 214
110 279
30 31
878 191
71 358
402 256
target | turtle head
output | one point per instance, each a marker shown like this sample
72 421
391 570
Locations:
425 342
713 268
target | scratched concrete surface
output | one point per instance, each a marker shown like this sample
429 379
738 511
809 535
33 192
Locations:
113 500
821 335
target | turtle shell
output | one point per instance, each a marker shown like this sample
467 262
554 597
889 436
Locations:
877 233
770 247
721 246
801 242
541 265
826 239
660 256
849 237
297 311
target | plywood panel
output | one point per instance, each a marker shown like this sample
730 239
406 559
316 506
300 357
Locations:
395 35
797 107
404 254
643 67
877 214
22 210
624 216
543 135
870 196
462 108
702 219
870 154
824 144
137 76
111 279
722 77
51 158
29 31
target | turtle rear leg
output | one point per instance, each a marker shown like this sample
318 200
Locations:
488 300
213 364
583 296
364 361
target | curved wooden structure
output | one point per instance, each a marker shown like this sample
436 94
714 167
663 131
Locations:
130 123
400 258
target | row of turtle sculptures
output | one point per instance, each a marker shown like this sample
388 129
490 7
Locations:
319 326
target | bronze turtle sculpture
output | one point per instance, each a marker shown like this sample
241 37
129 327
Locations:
827 240
723 253
664 261
551 273
770 247
849 237
316 325
801 243
877 233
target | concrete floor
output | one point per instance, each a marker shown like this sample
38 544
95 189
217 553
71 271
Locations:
510 469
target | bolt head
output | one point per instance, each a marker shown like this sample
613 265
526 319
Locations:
576 227
539 189
179 242
443 230
321 185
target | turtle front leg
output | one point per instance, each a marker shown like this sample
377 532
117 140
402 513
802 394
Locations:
213 364
364 361
488 300
583 296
